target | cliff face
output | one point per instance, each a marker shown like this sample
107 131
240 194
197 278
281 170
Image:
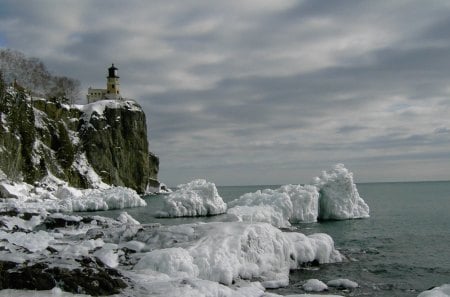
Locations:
84 145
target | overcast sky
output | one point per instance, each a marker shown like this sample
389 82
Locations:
262 92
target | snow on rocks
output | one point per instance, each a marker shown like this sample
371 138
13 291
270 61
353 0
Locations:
314 285
67 199
197 198
442 291
339 198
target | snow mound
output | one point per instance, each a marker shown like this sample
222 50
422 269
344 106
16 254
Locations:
314 285
197 198
342 283
339 198
442 291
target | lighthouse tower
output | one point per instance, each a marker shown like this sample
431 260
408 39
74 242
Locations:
112 84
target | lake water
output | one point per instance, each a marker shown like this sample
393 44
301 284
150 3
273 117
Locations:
401 250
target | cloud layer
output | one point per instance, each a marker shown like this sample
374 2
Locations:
257 92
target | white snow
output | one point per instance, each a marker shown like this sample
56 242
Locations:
197 198
442 291
339 198
342 283
314 285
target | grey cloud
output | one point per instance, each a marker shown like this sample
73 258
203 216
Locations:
253 95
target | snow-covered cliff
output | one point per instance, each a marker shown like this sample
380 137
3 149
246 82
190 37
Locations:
85 145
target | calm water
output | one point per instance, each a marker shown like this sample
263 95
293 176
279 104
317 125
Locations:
401 250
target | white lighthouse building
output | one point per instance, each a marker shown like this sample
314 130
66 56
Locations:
112 90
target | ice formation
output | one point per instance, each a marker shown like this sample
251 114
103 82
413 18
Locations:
289 203
442 291
333 196
226 251
339 198
197 198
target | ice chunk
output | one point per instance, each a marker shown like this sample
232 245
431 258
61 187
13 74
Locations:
197 198
314 285
342 283
339 198
442 291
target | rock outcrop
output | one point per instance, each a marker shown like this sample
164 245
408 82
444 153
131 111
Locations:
85 145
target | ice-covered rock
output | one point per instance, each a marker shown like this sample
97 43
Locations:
225 252
342 283
267 206
279 207
197 198
339 198
442 291
315 247
314 285
305 202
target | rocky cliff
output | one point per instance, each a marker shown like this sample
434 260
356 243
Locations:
85 145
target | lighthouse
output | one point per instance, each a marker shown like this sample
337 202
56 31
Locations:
112 85
112 90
